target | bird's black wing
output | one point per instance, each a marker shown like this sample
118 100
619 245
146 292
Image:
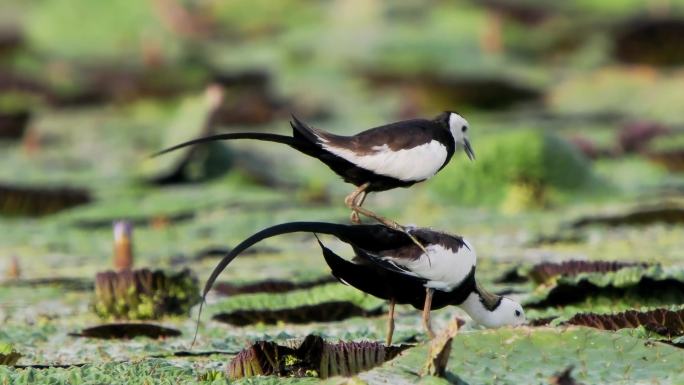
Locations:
303 131
365 257
400 135
374 279
395 136
369 237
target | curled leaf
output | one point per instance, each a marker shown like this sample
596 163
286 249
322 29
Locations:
666 322
310 357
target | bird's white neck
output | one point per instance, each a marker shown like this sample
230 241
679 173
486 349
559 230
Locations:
474 306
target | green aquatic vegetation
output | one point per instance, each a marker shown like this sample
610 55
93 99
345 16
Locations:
546 272
524 167
637 286
116 30
334 292
146 204
612 90
503 356
144 294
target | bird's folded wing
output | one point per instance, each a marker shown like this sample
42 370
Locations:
385 263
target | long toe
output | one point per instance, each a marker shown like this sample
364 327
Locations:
354 217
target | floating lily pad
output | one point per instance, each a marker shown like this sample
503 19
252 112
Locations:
547 271
641 216
318 294
479 357
666 322
127 331
269 286
310 357
144 294
644 285
34 201
326 303
321 312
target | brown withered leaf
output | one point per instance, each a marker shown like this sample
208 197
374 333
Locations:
312 356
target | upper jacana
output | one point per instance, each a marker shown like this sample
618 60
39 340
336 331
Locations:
395 155
389 265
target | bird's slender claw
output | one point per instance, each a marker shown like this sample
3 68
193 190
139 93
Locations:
407 231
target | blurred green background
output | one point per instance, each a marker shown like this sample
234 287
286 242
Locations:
575 110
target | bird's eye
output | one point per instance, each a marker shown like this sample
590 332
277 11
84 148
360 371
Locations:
464 128
517 313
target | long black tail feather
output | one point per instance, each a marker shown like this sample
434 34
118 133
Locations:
344 232
292 142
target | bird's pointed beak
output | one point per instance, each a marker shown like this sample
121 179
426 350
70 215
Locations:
468 149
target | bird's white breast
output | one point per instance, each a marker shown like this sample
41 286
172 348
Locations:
444 268
412 164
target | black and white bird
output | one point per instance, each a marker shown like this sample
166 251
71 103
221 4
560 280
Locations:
389 265
382 158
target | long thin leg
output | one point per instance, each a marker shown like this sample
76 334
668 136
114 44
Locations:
351 199
358 202
390 322
426 312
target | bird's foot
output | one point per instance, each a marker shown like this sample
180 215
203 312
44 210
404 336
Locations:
407 231
404 229
355 218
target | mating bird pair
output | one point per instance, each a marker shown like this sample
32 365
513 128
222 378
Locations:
421 267
382 158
